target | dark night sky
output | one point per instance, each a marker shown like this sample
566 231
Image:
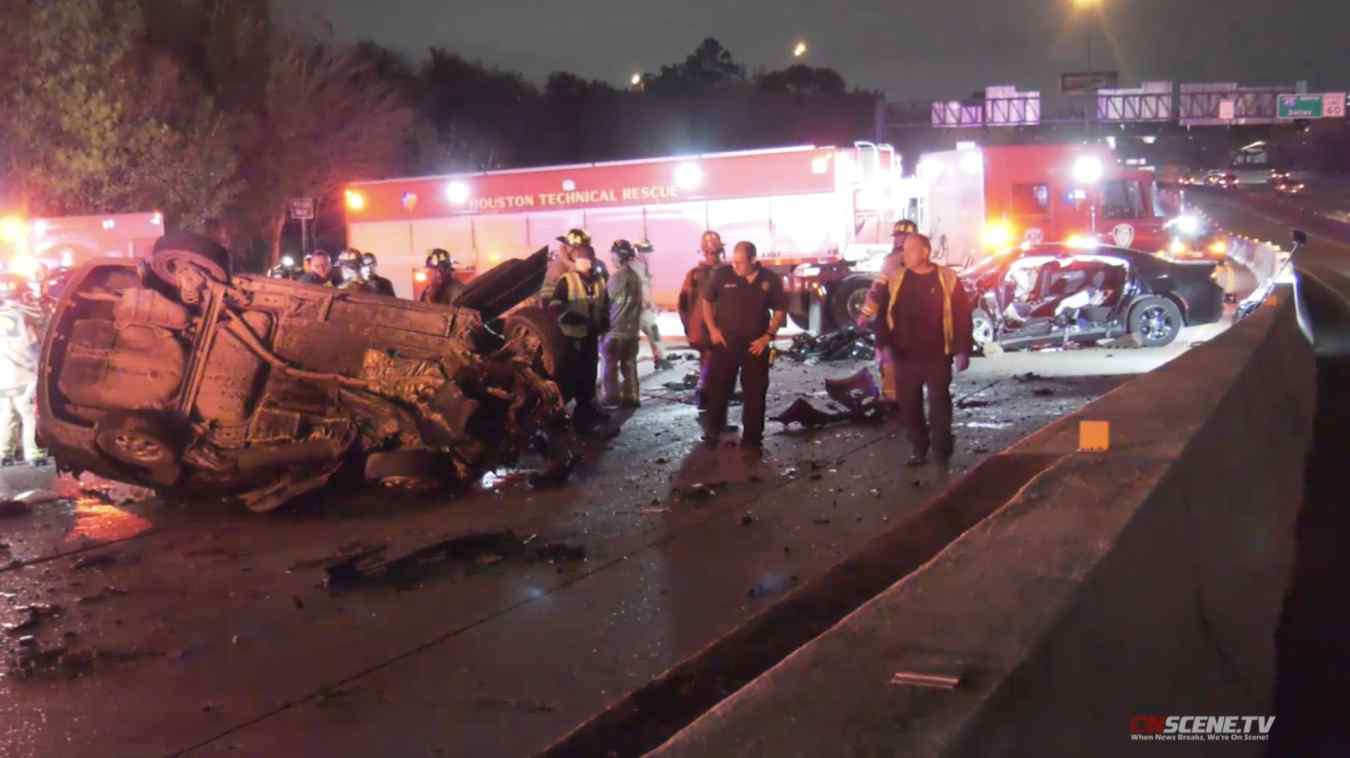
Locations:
918 49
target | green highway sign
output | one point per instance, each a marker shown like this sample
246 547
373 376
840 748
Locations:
1325 105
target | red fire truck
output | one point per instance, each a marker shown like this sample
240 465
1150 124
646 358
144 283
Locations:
800 205
820 216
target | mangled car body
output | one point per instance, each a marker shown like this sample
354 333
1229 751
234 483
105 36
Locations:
171 373
1049 295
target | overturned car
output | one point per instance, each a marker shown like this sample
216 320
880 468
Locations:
171 373
1050 295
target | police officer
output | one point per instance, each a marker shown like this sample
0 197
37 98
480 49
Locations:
875 302
561 263
620 348
442 286
926 321
744 306
647 324
581 305
691 309
320 269
369 272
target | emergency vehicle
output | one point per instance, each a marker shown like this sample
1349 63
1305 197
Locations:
819 216
69 241
799 205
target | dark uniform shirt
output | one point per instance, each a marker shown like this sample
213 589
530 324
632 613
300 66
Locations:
691 303
742 307
309 277
446 294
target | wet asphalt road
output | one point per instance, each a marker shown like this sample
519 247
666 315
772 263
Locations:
199 629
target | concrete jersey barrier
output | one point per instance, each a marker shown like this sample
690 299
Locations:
1145 581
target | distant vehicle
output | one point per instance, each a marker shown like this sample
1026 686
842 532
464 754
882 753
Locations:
178 376
1054 295
1228 181
1194 237
1288 186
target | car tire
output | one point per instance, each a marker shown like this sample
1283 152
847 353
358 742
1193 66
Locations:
408 469
1155 321
847 299
137 440
188 247
799 320
982 330
540 337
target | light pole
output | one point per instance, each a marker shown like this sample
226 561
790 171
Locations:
1087 6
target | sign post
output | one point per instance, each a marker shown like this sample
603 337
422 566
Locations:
302 209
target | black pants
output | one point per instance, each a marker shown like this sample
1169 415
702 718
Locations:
912 375
583 368
722 366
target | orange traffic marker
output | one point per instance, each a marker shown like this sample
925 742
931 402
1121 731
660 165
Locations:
1094 436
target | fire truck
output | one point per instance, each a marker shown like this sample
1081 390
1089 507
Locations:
69 241
819 216
799 205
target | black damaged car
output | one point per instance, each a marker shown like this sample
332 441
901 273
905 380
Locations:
1056 295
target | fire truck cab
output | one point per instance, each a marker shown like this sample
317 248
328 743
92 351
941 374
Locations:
68 241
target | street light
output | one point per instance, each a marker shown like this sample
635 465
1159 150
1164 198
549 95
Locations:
799 50
636 80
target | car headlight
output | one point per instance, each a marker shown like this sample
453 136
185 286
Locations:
806 270
998 235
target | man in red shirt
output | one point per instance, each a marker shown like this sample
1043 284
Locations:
926 322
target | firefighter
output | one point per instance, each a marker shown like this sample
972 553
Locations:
561 263
442 286
647 325
369 271
691 310
926 322
286 269
744 306
348 272
580 303
875 302
620 348
320 269
19 346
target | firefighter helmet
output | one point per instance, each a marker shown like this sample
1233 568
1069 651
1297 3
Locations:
643 246
439 258
575 238
905 226
349 257
623 250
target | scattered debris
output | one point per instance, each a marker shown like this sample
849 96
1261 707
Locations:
747 519
699 491
689 382
875 492
849 343
650 511
299 604
11 508
772 586
107 593
808 416
36 614
986 424
1030 376
857 395
816 477
972 403
1043 392
821 521
99 560
470 550
661 461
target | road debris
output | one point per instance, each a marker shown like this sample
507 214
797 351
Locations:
849 343
747 519
470 551
857 395
12 508
1043 392
1030 376
36 614
963 404
689 382
821 521
107 593
772 586
99 560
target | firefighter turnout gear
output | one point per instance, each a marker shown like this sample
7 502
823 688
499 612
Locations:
581 305
619 383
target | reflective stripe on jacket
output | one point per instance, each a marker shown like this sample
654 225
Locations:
585 300
948 279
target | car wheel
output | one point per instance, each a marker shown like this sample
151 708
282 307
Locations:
847 300
408 469
536 336
166 264
982 333
136 440
800 320
1155 322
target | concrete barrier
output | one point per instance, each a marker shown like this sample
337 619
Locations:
1143 581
